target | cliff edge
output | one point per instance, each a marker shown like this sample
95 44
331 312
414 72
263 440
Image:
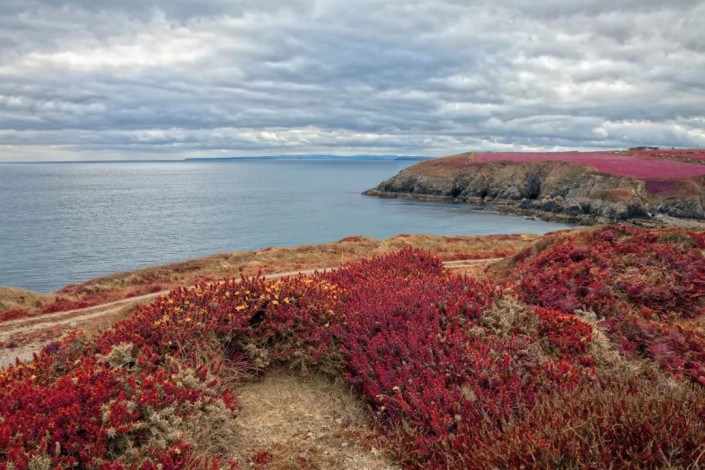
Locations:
568 186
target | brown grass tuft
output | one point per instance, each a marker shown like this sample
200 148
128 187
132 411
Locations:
14 298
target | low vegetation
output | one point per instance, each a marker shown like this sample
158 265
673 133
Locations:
19 303
583 351
642 164
17 300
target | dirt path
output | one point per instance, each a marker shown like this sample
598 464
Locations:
292 421
29 335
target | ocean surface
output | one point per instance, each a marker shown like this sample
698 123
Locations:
69 222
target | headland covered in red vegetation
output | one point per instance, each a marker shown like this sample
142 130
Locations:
585 187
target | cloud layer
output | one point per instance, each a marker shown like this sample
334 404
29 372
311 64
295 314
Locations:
91 79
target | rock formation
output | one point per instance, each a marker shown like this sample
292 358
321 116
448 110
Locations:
549 189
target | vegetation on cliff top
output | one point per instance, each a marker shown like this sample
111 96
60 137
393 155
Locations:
586 350
585 187
642 164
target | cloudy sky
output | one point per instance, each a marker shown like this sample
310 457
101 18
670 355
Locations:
97 79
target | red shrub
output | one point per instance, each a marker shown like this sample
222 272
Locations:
454 380
640 281
567 335
14 314
408 349
639 165
623 423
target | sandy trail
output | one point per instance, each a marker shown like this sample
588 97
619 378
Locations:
60 322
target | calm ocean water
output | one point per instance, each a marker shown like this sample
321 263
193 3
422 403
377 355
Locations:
66 223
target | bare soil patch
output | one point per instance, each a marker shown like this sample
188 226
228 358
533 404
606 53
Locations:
290 421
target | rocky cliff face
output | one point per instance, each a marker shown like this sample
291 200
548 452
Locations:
550 189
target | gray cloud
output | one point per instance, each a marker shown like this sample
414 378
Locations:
87 79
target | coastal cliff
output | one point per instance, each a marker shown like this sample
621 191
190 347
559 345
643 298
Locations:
553 190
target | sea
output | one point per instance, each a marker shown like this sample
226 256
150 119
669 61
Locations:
64 223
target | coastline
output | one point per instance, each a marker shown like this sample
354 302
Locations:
584 189
29 320
513 207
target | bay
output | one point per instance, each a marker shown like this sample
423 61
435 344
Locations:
70 222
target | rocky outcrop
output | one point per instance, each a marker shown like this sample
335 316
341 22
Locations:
553 190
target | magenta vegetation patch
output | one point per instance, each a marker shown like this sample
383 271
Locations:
686 154
644 165
662 186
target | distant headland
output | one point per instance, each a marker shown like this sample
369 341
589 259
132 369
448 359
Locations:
315 157
639 184
293 158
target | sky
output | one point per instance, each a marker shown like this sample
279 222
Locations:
133 79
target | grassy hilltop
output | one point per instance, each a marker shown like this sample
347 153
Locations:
585 349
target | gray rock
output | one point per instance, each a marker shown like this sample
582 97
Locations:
552 188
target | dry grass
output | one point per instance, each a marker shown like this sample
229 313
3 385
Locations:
102 323
290 422
477 271
14 298
268 260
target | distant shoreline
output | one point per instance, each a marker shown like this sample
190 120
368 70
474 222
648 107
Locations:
269 158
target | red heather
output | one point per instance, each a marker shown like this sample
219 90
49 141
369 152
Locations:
459 373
